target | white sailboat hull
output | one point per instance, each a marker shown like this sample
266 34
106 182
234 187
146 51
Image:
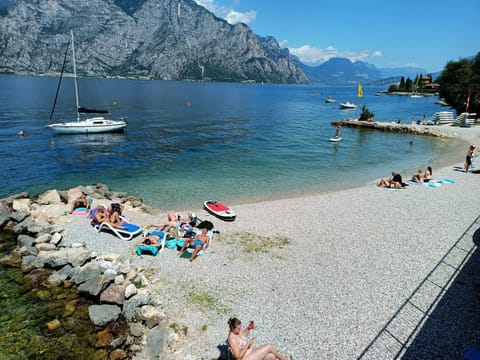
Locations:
89 126
92 125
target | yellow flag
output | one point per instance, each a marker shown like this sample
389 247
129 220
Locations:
360 90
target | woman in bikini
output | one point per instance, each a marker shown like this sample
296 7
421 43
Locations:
243 349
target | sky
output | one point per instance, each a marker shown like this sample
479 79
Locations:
385 33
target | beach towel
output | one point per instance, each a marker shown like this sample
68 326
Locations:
80 211
147 249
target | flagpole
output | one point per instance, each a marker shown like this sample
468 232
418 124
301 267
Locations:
468 102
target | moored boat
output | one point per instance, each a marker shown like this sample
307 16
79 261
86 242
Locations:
89 125
348 105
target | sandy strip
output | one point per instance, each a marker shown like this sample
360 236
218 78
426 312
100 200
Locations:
353 258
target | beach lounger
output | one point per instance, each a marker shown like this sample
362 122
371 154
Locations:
152 249
128 233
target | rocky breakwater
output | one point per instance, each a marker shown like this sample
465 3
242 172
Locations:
431 130
127 319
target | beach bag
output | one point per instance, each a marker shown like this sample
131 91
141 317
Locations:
147 250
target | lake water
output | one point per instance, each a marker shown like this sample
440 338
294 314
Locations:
235 142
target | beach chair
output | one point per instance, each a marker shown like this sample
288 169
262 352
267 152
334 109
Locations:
127 233
153 249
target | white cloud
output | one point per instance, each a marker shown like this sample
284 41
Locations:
233 17
315 56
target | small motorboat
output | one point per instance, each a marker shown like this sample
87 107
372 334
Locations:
220 210
330 100
348 105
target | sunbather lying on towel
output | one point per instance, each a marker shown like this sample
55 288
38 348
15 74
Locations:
150 239
102 217
200 242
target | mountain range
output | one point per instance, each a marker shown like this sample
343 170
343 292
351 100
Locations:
158 39
155 39
341 71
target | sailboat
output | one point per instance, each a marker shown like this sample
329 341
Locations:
85 126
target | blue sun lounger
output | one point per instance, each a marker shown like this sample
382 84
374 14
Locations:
128 232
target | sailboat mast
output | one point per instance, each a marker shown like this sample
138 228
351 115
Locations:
75 76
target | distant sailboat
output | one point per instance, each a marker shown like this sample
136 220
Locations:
89 125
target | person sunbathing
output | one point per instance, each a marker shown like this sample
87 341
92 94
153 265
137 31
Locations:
242 348
395 182
80 202
418 177
200 242
103 217
172 221
428 175
149 240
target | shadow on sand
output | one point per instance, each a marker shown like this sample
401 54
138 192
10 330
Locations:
440 319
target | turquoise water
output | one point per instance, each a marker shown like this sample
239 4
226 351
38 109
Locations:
236 142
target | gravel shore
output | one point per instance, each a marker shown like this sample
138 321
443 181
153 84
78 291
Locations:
352 259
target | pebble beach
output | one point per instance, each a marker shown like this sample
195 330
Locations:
364 272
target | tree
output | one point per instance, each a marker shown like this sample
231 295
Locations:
408 84
366 115
402 83
457 80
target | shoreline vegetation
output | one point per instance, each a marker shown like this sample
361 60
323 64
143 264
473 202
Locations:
323 273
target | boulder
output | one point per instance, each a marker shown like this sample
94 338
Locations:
44 238
21 205
88 271
130 290
73 256
114 294
60 275
94 285
101 315
45 247
56 238
49 197
151 316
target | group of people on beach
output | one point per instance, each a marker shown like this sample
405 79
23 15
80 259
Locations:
174 225
396 181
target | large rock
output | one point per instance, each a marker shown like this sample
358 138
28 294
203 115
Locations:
21 205
132 307
73 256
60 275
49 197
88 271
94 285
101 315
114 294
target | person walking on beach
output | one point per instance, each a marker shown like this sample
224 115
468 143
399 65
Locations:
242 348
468 158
